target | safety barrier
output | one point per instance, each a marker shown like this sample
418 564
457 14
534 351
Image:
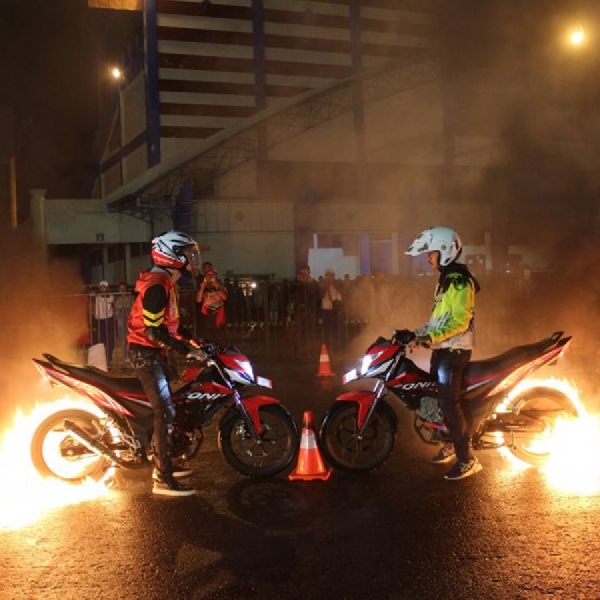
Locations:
283 319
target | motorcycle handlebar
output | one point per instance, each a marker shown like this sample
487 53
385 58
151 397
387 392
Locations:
202 351
211 349
403 336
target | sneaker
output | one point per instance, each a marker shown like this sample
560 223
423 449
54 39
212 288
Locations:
445 455
178 473
462 470
168 486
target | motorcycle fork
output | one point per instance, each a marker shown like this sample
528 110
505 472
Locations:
379 391
237 398
254 429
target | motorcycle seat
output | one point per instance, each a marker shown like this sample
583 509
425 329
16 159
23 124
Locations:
515 357
123 383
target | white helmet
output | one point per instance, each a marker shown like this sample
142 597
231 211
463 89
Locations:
442 239
176 250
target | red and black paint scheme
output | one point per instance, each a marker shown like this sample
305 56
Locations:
257 434
359 428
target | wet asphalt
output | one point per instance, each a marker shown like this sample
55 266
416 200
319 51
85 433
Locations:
402 532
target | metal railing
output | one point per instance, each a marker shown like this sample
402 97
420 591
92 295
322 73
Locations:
283 320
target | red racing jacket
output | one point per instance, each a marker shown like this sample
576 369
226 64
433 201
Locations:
154 317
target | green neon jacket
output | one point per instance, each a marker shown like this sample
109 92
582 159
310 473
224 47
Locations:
452 320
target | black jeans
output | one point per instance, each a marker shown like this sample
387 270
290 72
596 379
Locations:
448 367
150 367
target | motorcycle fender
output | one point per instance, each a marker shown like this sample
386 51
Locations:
252 405
364 399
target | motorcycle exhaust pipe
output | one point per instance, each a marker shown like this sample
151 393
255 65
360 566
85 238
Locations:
83 437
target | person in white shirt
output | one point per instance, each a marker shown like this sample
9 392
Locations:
104 319
331 310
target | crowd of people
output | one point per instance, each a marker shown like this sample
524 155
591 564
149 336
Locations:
326 309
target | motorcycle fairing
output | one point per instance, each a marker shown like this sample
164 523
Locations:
95 394
364 400
121 384
252 404
238 366
411 377
378 357
202 390
522 372
507 369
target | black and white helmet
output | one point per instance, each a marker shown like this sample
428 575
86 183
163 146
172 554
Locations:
443 239
176 250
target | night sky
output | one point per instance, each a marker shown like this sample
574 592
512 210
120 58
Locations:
51 52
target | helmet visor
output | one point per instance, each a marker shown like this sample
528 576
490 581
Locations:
194 258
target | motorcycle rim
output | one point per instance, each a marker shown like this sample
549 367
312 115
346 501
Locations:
342 446
55 453
546 406
271 453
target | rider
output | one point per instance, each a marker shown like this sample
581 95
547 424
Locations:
153 328
450 333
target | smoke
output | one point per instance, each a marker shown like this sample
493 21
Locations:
42 311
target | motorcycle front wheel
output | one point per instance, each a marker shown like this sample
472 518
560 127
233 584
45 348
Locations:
345 449
270 453
56 453
543 407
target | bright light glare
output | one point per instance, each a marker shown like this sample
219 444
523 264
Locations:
577 36
574 445
27 497
116 73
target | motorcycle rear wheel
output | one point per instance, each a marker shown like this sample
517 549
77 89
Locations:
345 450
57 454
264 457
546 406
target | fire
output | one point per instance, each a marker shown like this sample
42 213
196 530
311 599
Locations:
26 496
574 446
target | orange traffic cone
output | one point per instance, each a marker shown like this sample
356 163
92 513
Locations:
324 364
310 464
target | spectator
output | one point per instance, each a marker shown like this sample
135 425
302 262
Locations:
104 320
122 308
304 307
211 296
331 310
381 292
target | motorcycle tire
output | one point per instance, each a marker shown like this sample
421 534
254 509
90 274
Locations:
344 450
57 454
269 455
545 405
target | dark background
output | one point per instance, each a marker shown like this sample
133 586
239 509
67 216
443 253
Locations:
52 53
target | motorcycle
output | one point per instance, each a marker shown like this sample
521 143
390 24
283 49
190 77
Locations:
358 430
257 435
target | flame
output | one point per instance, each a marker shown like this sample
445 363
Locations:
26 496
573 466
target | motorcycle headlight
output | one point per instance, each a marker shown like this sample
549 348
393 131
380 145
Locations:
366 363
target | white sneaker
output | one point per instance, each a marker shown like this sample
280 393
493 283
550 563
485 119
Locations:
168 486
178 473
445 455
462 470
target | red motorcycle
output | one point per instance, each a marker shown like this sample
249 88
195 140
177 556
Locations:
358 430
257 434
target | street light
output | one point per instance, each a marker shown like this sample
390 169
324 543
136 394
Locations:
577 36
116 73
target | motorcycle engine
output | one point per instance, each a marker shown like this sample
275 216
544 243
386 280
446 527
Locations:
429 410
180 444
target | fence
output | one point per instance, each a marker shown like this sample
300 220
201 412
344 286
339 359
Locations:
282 320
